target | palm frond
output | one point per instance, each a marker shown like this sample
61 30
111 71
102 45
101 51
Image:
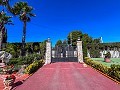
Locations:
23 11
4 18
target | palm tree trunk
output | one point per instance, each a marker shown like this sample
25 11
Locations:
23 38
0 40
1 35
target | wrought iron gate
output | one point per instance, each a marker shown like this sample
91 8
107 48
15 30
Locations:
64 54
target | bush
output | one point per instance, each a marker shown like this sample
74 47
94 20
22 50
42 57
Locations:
16 68
108 55
34 66
113 71
24 60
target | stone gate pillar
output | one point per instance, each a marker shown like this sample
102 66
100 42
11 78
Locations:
79 51
48 54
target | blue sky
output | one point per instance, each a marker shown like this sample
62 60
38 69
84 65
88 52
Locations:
56 18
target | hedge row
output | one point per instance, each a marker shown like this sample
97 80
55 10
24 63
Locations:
24 60
112 71
34 66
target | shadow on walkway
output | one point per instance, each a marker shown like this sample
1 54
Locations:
18 83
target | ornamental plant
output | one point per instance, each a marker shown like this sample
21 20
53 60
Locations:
10 77
112 71
34 66
107 55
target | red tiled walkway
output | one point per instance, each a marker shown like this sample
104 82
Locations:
68 76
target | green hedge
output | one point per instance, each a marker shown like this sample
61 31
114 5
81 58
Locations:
112 71
24 60
34 66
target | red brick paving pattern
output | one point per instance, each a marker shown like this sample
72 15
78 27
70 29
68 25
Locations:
68 76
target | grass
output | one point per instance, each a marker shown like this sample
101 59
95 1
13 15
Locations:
113 61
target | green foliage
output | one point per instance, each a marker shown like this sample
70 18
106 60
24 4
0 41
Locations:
1 70
36 48
108 55
85 38
42 48
34 66
23 10
4 20
113 71
16 68
59 43
94 50
95 47
24 60
15 49
110 45
73 37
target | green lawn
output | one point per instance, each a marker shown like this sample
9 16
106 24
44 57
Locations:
113 61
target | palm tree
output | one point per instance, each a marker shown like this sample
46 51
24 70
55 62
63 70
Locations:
6 4
24 12
2 2
4 19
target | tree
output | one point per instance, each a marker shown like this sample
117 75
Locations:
64 43
59 43
24 12
4 40
28 48
7 5
85 38
73 37
4 19
43 48
13 49
96 40
36 47
2 2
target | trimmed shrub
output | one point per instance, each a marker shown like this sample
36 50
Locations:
24 60
107 55
113 71
34 66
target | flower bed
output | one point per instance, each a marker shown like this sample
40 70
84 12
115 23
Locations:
112 71
34 66
9 81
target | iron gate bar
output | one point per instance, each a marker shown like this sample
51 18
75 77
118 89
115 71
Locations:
64 54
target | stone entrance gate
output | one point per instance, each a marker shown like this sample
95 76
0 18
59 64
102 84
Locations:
63 53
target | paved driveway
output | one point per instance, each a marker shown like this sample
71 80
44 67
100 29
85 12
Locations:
68 76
